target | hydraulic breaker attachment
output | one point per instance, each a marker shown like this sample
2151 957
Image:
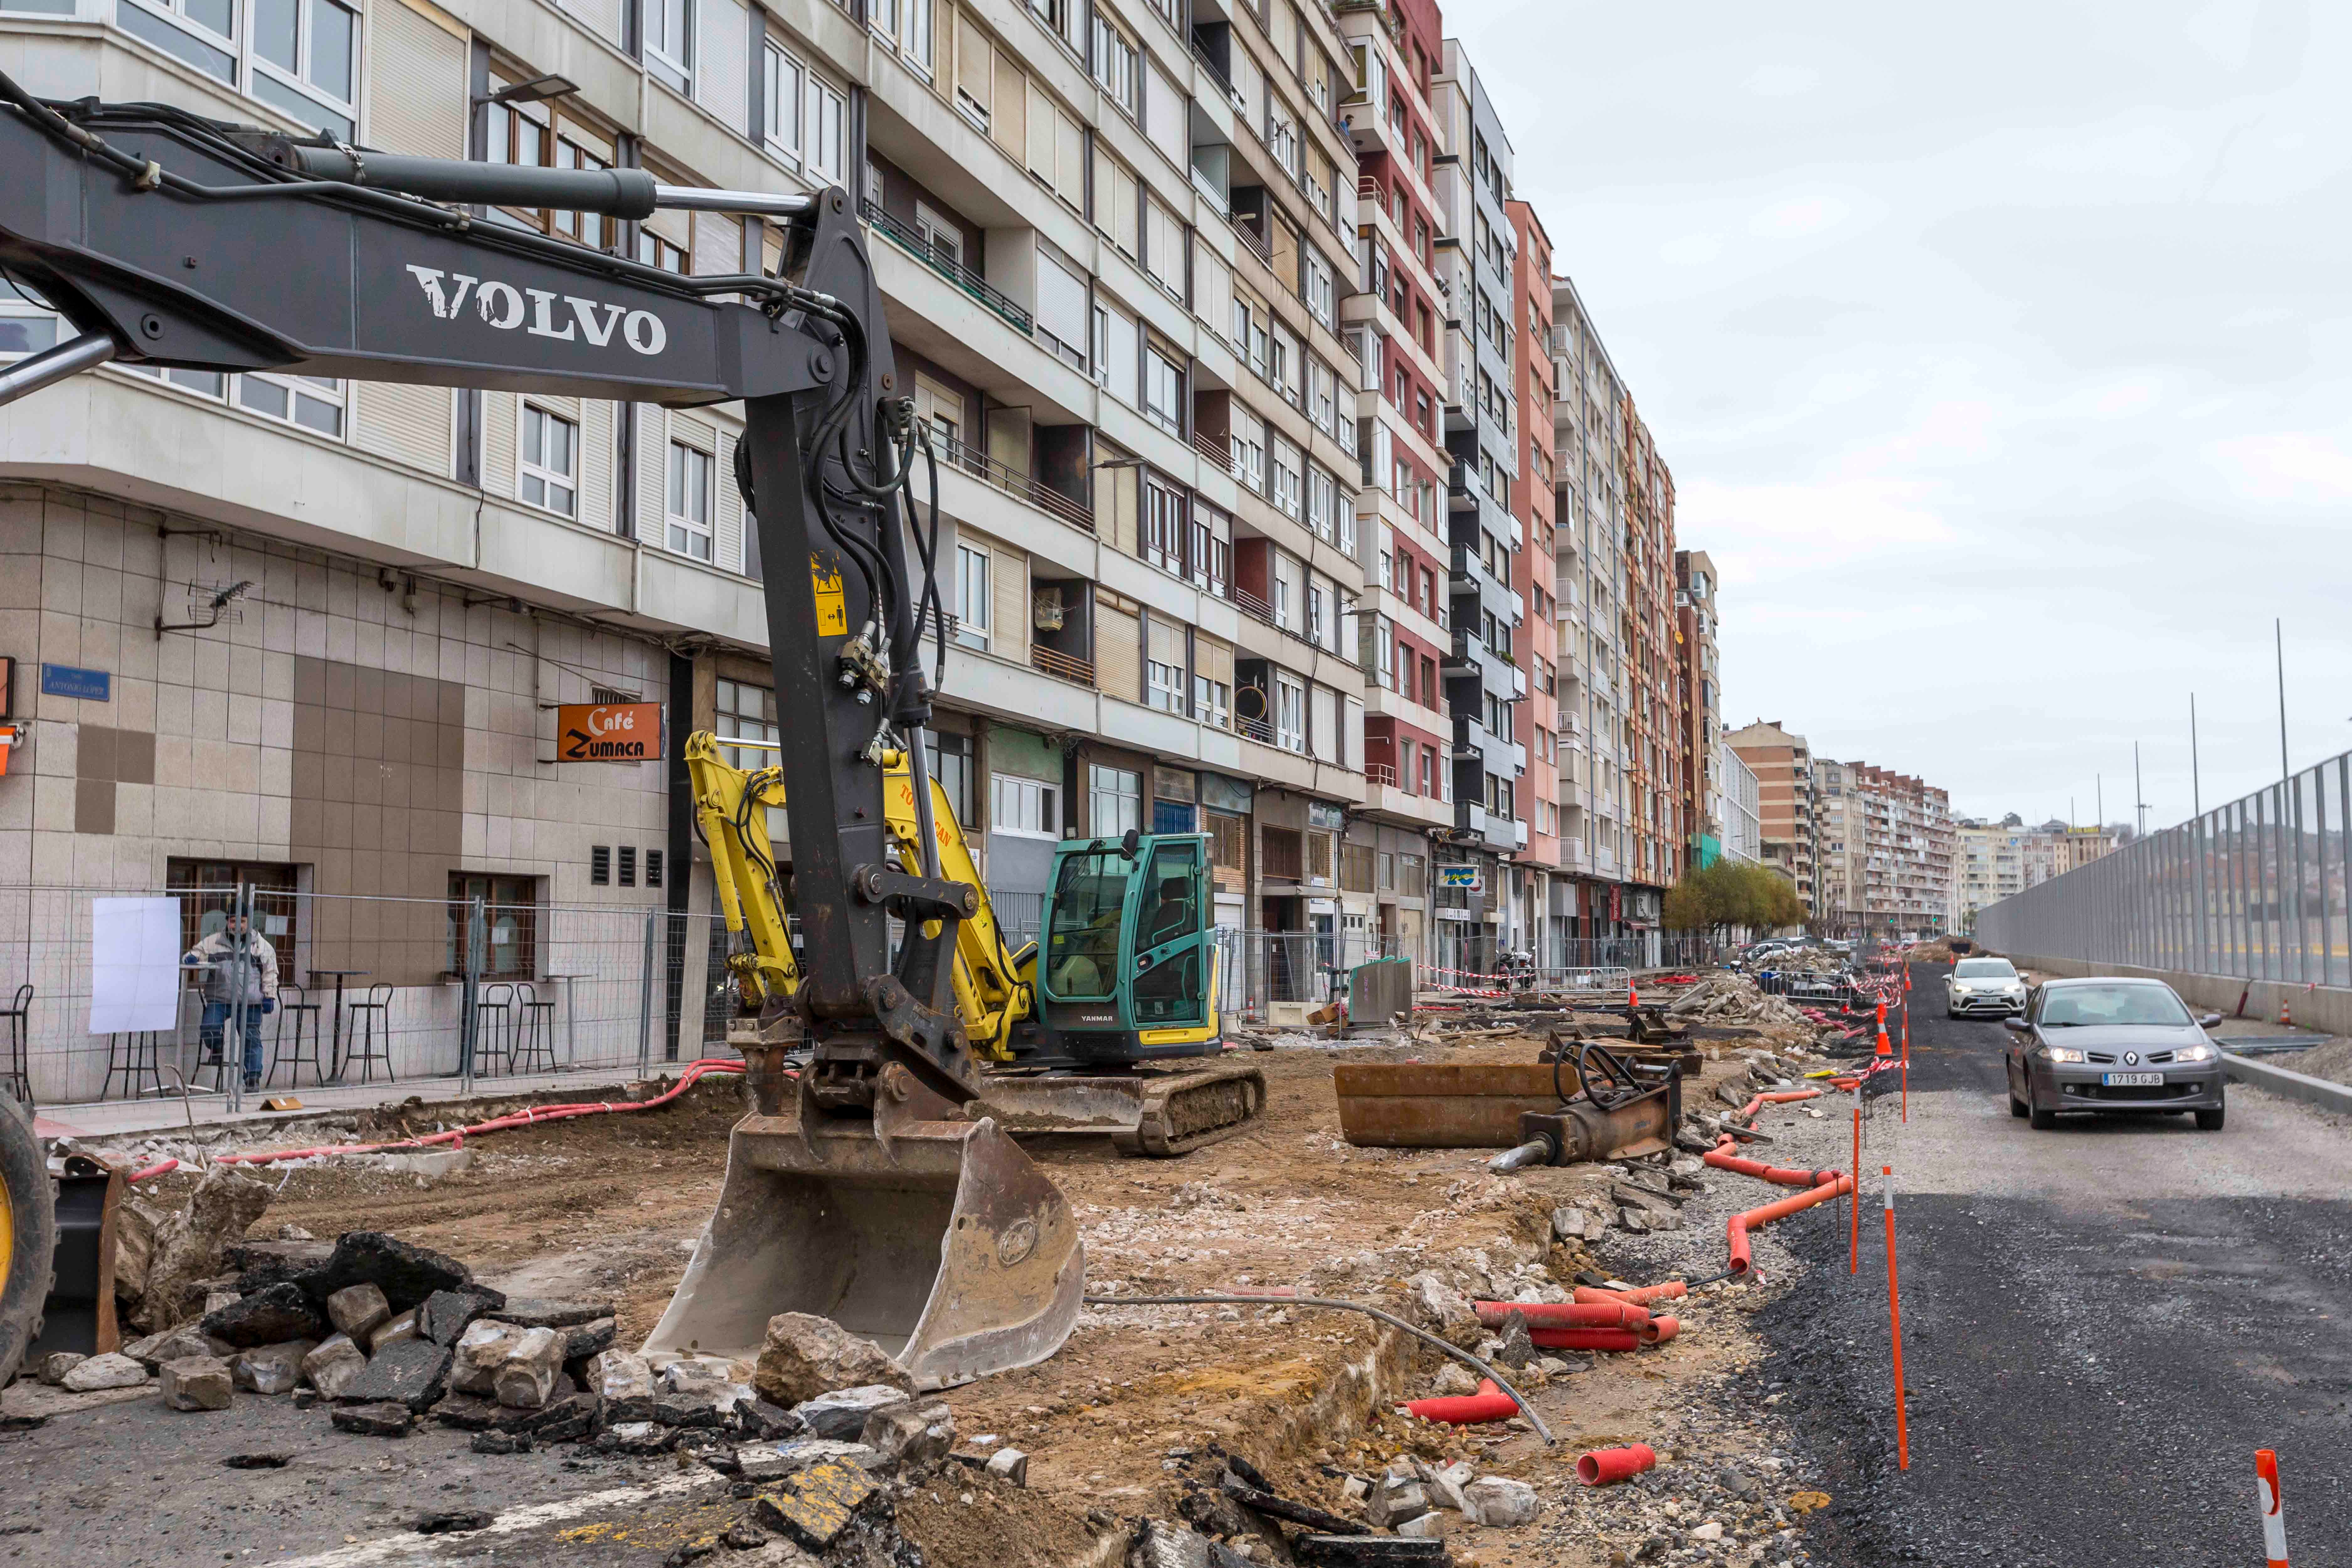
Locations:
934 1236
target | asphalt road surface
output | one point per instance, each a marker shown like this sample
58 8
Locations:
2101 1324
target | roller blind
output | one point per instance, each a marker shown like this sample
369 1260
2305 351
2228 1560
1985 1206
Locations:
1060 299
1118 649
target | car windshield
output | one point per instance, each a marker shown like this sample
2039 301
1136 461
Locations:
1984 969
2090 1006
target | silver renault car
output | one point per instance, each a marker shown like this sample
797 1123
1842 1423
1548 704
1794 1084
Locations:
2113 1044
1984 988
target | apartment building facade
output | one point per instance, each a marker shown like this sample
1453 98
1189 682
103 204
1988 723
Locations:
1115 244
1743 823
1548 894
1699 703
1886 852
1786 800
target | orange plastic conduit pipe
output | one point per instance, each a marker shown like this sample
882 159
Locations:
1489 1404
1739 1223
1564 1315
1722 1159
530 1116
1637 1296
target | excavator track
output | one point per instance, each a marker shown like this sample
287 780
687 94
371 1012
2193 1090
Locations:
1153 1114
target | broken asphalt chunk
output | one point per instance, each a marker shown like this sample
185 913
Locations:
1282 1507
815 1507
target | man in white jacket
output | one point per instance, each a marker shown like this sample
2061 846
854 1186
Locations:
239 965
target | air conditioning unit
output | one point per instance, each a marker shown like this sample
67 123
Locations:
1045 610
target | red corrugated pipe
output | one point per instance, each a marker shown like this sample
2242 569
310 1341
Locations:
1635 1296
1613 1314
1837 1187
528 1117
1489 1404
1656 1331
1605 1466
155 1170
1722 1159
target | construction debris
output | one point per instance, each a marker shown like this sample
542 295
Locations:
1735 999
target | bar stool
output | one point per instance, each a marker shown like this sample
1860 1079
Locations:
292 1004
534 1033
132 1053
489 1046
20 1030
366 1049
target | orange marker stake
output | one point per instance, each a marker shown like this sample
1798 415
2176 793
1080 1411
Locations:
1906 1058
1895 1326
2273 1509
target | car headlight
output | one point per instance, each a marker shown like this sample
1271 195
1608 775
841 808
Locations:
2194 1054
2062 1054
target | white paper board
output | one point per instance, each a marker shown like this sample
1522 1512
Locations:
134 965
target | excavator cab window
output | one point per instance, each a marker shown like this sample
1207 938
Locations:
1082 925
1170 949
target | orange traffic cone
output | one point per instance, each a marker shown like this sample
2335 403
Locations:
2286 1013
1632 999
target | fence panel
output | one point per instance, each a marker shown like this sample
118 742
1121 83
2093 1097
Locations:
2255 889
370 989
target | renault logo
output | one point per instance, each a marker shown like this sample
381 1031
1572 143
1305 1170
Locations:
2131 1058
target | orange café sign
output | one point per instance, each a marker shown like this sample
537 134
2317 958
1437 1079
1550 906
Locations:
608 731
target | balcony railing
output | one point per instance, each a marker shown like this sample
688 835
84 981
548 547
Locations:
1380 774
1012 481
1200 56
908 238
1061 666
1257 609
1218 450
1258 730
1259 245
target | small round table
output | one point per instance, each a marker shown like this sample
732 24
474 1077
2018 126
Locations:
335 1047
571 1036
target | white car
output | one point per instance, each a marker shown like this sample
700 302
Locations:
1984 988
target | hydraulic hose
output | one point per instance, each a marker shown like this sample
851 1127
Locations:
530 1116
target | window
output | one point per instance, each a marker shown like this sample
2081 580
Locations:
1317 626
689 500
668 41
1115 352
1320 297
746 713
550 446
786 100
1247 439
1322 396
1283 851
1027 809
1323 504
828 116
1163 528
299 55
1289 714
1163 390
949 758
1287 481
1164 666
507 943
1286 585
1213 701
655 250
313 402
1114 801
1114 63
1211 558
971 596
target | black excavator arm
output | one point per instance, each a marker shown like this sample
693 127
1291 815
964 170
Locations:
172 240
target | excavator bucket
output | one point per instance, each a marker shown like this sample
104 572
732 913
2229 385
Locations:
937 1239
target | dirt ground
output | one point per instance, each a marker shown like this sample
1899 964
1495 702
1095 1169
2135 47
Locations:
1141 1397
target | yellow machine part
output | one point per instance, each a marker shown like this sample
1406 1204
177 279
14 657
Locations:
733 806
28 1235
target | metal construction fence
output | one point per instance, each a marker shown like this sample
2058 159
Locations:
367 989
2253 889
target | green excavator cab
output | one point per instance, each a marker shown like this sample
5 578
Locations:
1126 967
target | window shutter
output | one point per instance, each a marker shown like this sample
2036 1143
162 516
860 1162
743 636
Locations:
416 71
1040 150
1212 291
975 63
1214 658
1061 301
1323 723
1008 114
1118 649
1009 637
722 79
1069 161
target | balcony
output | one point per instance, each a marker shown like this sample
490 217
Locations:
1062 667
907 238
1217 450
970 459
1380 774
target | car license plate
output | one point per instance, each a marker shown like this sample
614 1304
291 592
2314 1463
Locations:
2131 1079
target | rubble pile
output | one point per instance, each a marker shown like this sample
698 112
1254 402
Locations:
1803 960
1729 998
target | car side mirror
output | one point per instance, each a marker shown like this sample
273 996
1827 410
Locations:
2208 1021
1129 842
2017 1025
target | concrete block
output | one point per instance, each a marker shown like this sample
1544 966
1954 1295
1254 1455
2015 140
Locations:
356 1309
195 1382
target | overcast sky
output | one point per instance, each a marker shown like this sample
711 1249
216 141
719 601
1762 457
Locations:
2000 355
